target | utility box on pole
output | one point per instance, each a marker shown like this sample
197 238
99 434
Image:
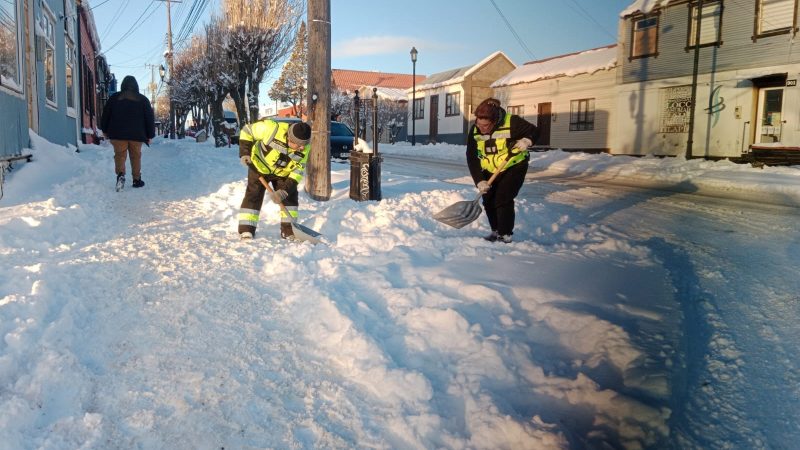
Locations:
318 171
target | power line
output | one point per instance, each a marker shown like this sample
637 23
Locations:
592 19
139 22
511 29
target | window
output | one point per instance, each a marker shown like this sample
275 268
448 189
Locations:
774 16
419 108
709 25
70 74
644 39
518 110
48 25
10 56
581 115
452 104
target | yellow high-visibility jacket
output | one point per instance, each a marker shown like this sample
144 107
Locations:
270 153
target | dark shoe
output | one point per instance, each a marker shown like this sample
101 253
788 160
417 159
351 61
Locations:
504 238
286 231
138 183
120 181
491 237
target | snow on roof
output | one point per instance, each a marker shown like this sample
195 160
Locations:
643 6
392 94
589 61
454 76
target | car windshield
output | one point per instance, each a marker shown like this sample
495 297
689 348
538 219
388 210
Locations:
340 129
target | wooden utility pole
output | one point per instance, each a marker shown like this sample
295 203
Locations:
170 65
318 176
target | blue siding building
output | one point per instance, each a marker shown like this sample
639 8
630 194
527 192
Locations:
38 74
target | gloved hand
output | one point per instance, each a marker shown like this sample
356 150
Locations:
279 196
246 161
483 187
521 145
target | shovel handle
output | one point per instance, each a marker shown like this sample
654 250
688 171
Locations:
497 171
269 189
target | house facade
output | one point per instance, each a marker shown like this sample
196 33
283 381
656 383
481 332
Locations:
391 87
746 92
95 76
571 98
442 106
38 73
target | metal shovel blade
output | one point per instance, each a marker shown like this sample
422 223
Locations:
302 233
460 214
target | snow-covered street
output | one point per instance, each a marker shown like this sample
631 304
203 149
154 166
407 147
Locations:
619 318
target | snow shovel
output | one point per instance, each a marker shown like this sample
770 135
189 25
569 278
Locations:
461 214
301 233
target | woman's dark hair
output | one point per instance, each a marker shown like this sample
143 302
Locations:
129 84
489 109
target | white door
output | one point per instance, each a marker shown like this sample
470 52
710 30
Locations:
770 115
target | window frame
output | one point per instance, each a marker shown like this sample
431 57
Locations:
758 33
692 6
19 82
49 50
418 109
581 119
70 74
452 108
640 18
516 110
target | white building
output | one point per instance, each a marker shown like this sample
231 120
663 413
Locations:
571 98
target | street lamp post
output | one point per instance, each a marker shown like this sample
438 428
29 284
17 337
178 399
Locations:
413 95
163 72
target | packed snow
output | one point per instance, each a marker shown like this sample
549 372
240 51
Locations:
139 320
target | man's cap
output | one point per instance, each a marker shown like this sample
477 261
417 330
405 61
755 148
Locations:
299 133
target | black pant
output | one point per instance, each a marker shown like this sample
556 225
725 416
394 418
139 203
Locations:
499 201
254 198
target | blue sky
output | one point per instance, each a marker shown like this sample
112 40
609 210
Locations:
378 35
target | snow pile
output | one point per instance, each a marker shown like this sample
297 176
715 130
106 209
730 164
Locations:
139 319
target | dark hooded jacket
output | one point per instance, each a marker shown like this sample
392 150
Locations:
128 115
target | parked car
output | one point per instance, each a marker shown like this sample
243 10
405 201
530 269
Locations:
341 137
232 127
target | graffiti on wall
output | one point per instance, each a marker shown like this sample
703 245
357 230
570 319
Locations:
675 104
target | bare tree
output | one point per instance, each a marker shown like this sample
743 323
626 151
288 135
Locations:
291 85
259 36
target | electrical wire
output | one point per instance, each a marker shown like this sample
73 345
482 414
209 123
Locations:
138 23
592 19
511 29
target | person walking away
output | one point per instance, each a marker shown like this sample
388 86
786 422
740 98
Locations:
128 121
495 137
278 151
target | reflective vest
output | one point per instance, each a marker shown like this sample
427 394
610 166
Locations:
270 153
493 148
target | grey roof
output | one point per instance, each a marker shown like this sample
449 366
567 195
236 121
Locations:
447 75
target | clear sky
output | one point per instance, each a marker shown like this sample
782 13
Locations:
378 35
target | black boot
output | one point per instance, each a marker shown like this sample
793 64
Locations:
137 183
286 231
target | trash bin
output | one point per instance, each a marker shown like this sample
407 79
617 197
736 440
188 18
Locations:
365 176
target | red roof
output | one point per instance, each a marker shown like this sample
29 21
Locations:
351 80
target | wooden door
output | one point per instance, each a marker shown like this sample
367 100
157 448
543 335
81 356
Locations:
770 119
433 135
543 123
